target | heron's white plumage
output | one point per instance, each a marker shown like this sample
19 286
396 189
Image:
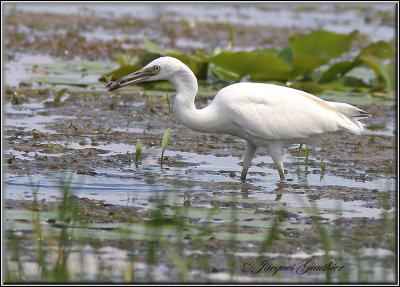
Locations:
272 112
262 114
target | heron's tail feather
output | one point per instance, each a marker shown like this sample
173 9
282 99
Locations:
349 110
350 117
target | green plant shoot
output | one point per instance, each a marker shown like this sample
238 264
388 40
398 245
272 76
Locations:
164 144
298 155
322 165
306 154
58 96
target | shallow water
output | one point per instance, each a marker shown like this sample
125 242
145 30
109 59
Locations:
116 185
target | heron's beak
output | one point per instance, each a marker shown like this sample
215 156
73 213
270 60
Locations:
137 77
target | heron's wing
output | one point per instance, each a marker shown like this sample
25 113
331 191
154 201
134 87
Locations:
275 112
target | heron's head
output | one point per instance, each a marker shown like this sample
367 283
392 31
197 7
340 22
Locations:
162 68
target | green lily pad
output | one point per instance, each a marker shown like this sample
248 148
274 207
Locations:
380 50
370 56
224 74
387 71
339 68
258 66
287 56
305 64
324 44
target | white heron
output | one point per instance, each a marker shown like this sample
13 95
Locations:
261 114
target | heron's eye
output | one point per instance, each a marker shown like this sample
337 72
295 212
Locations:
157 68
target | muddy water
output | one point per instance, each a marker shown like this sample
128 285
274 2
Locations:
87 139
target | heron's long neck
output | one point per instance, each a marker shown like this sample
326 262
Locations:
203 120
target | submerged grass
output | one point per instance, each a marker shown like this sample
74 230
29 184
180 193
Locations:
334 243
170 241
232 245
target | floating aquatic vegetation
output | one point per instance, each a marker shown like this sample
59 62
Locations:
298 61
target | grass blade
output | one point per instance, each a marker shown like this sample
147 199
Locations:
58 96
165 141
323 167
298 155
138 150
307 154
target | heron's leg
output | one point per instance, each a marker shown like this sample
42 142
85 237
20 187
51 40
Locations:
275 149
248 156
